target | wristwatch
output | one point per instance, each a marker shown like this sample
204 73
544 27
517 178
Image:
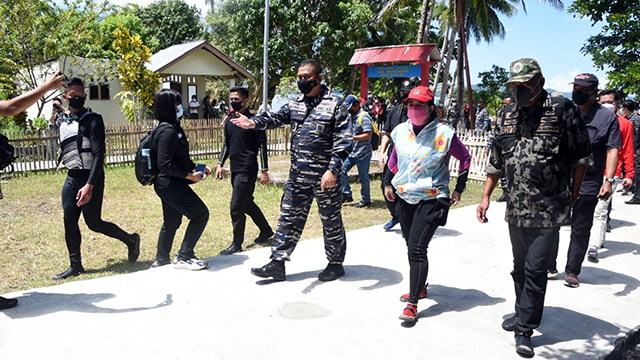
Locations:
609 180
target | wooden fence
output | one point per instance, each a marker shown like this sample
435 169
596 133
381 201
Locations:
38 151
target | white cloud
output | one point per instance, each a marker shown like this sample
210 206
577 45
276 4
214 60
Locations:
561 82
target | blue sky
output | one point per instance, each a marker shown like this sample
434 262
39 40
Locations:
552 37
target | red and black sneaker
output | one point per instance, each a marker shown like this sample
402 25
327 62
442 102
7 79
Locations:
409 313
423 295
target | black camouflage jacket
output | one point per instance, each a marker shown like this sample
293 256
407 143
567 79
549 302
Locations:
538 148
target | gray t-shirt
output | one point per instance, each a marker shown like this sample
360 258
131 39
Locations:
361 149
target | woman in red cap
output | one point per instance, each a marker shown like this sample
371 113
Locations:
419 165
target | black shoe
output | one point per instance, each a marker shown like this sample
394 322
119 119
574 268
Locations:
362 204
134 248
331 272
509 324
502 198
7 303
274 269
263 237
158 263
523 344
232 249
346 198
71 271
633 201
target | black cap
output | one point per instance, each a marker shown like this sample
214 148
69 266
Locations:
585 80
407 85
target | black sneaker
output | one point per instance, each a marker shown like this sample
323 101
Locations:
263 238
274 269
523 344
362 204
331 272
346 198
7 303
232 249
509 324
71 271
134 248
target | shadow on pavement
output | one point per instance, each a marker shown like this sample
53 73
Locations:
383 276
562 325
454 299
597 276
614 248
218 263
35 303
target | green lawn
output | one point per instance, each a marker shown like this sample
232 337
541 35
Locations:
32 243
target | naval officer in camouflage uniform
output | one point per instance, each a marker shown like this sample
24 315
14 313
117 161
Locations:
321 139
541 144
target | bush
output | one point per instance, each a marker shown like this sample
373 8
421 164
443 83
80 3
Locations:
40 123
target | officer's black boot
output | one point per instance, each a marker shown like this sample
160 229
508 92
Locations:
274 269
74 270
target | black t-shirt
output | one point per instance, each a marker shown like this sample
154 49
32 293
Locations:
397 116
241 146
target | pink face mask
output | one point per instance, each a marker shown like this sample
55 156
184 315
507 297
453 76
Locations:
418 115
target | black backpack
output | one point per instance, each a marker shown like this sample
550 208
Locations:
146 161
7 152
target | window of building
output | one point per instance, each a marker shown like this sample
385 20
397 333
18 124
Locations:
105 92
99 92
93 92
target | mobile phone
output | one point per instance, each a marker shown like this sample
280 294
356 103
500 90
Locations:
202 168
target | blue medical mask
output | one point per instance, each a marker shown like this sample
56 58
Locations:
180 111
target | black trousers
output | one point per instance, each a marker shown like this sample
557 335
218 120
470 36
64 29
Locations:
417 231
531 250
391 205
244 184
91 211
176 203
581 223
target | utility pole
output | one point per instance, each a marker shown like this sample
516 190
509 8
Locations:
265 70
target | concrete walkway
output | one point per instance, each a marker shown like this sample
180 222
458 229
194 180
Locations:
224 312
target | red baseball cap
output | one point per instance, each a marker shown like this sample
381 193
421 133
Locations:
421 93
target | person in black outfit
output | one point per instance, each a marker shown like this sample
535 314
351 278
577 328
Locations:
241 147
82 140
177 172
17 105
397 116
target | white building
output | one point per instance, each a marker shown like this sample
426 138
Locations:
183 67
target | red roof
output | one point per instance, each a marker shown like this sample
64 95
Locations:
422 53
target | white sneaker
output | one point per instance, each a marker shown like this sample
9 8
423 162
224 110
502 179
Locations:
191 264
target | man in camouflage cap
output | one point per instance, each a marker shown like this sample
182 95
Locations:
541 145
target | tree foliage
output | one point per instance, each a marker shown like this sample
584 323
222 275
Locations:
617 45
37 32
139 83
298 30
492 88
169 22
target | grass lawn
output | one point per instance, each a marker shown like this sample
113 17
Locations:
32 246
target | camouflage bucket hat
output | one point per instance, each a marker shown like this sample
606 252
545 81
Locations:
522 70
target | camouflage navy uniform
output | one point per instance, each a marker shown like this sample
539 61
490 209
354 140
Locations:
537 149
321 139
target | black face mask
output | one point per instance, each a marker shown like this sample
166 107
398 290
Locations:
580 98
306 86
76 102
236 105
